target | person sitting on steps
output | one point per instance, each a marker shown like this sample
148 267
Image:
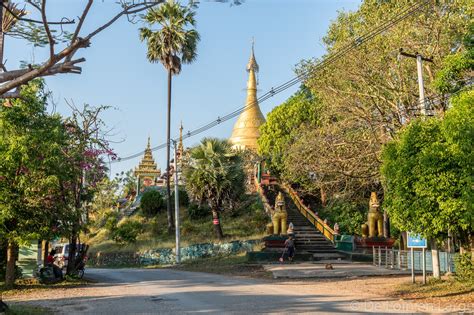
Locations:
290 248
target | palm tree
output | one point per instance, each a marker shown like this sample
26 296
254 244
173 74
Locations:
214 175
172 44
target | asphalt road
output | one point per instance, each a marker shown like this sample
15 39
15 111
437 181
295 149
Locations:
165 291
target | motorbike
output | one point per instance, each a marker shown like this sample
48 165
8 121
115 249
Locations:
52 273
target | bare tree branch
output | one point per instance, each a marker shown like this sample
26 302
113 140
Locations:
15 78
81 20
48 31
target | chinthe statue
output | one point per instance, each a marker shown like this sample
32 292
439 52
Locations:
374 225
279 217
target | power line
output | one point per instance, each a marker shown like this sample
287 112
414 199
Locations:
299 78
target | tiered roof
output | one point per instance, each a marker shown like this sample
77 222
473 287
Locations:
147 166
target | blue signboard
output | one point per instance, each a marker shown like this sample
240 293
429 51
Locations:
415 241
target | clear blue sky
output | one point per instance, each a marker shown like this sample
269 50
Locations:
118 74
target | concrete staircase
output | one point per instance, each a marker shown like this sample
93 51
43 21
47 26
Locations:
308 240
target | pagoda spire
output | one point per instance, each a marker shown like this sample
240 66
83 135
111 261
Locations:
147 166
246 129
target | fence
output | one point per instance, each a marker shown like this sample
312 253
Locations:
401 259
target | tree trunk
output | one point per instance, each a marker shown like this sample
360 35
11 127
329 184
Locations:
323 197
71 263
2 38
471 242
403 240
168 145
11 263
386 225
217 224
435 259
45 253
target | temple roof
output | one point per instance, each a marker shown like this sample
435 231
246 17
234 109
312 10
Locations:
147 166
246 129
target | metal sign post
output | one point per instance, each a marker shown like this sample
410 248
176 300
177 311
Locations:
412 265
176 204
424 266
415 241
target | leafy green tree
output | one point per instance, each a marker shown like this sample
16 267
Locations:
370 93
31 170
428 174
174 43
281 128
458 68
86 149
214 175
151 203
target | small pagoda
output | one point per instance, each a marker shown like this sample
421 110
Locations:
147 172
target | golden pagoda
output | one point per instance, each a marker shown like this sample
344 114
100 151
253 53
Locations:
147 171
246 129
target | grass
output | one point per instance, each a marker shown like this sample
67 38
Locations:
247 222
444 290
27 310
31 285
235 265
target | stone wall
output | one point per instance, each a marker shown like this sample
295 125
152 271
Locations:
166 256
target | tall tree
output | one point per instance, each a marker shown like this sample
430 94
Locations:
172 44
214 175
428 172
281 128
86 149
370 93
32 157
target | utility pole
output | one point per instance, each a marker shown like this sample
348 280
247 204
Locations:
421 86
176 202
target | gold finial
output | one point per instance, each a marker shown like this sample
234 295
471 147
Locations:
252 65
148 144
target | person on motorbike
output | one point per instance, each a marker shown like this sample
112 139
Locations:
50 262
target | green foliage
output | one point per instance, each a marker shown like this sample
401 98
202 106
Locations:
127 232
370 93
281 128
151 203
457 68
183 198
111 222
32 167
464 268
173 44
196 211
349 215
428 173
214 173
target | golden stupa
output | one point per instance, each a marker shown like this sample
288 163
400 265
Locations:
246 129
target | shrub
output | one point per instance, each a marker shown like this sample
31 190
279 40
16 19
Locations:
111 221
464 268
151 203
183 198
127 232
196 211
349 216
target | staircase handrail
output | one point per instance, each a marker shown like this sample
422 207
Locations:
318 223
266 205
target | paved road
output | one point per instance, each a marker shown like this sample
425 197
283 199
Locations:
164 291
